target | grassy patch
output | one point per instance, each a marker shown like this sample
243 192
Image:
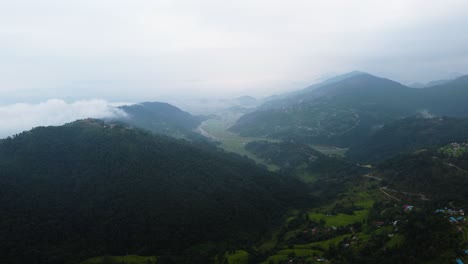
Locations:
238 257
276 259
330 150
325 245
269 244
218 129
396 241
129 259
300 252
305 175
339 219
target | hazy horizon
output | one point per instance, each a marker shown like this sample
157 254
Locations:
144 50
66 59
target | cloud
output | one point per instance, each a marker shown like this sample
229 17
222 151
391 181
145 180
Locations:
16 118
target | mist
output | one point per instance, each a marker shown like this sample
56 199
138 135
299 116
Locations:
16 118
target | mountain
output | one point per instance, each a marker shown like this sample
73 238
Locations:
407 135
91 188
338 113
294 97
328 176
448 99
429 84
439 174
348 111
448 79
162 118
292 155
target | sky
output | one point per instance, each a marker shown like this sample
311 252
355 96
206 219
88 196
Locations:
145 50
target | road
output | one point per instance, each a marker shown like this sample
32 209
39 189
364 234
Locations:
385 190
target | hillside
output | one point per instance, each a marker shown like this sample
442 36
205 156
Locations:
89 189
339 113
162 118
407 135
328 176
448 99
440 174
295 97
349 110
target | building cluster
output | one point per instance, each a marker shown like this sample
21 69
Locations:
453 215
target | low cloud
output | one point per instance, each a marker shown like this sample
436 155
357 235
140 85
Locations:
426 114
16 118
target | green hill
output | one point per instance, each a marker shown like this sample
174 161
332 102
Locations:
437 173
162 118
349 110
407 135
91 188
339 113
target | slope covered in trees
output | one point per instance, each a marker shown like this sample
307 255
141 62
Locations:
437 173
89 188
407 135
348 110
328 176
162 118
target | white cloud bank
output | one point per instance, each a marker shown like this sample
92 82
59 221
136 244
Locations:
16 118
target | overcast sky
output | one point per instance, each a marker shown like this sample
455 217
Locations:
139 50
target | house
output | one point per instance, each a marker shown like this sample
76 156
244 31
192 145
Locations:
408 207
452 219
459 261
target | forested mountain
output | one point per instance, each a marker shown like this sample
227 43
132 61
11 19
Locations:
407 135
91 188
162 118
448 99
440 174
328 175
291 155
290 98
348 111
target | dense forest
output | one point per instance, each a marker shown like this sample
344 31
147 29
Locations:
163 118
152 190
347 110
436 173
91 188
407 135
328 176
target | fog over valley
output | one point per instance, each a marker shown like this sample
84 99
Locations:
233 132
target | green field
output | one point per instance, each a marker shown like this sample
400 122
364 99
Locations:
396 241
339 219
238 257
218 127
129 259
300 252
330 150
323 244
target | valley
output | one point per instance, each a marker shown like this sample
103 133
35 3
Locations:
161 185
233 132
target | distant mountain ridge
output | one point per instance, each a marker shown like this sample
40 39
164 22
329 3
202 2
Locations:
347 111
295 96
